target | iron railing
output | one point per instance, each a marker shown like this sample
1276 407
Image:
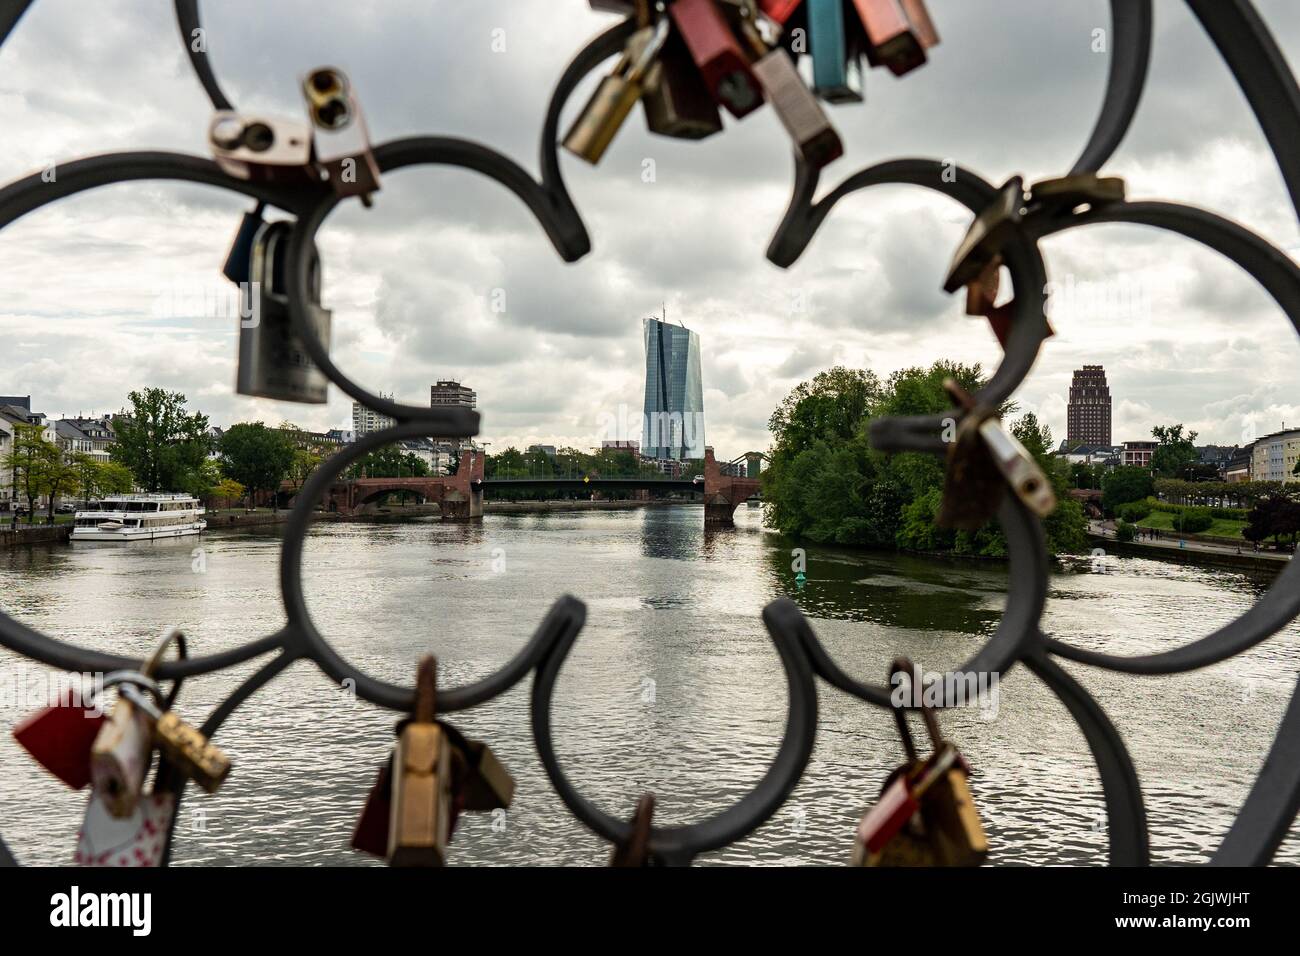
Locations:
1254 58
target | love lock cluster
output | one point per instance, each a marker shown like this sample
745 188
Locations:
686 61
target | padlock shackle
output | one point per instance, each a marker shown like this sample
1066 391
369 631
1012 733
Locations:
903 665
937 741
134 679
426 690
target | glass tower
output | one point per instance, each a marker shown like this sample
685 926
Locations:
674 393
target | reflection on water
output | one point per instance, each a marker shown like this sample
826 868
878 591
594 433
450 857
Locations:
673 685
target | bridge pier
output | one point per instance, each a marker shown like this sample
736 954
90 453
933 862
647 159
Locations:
723 493
457 506
719 513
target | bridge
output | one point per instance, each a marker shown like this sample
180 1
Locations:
460 496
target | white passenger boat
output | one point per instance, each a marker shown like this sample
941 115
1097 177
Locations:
133 517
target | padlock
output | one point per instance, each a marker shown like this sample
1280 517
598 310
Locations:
919 17
273 361
780 11
891 39
342 141
983 459
191 752
239 260
677 102
814 137
61 736
893 832
635 850
717 53
837 67
137 839
485 784
420 822
260 149
925 815
1051 197
606 111
123 749
987 235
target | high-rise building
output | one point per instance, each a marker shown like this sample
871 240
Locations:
674 393
366 420
1088 415
456 395
452 393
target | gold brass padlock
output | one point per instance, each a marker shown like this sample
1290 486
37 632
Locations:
419 827
617 93
123 748
189 750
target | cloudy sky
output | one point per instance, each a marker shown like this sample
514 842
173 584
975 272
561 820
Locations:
120 287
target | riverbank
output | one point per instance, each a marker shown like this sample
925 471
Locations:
1193 552
529 507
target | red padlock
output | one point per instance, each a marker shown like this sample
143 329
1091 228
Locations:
890 36
890 813
780 10
60 738
717 53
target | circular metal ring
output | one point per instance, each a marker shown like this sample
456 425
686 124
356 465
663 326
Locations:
565 617
1280 277
1017 633
678 845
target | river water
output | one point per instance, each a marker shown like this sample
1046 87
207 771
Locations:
673 686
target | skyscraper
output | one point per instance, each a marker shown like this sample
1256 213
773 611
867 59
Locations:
451 393
1088 415
674 393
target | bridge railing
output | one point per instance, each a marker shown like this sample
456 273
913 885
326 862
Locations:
1244 42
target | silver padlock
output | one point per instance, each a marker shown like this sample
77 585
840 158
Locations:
342 141
123 749
260 149
273 361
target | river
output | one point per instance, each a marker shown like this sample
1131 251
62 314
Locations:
673 686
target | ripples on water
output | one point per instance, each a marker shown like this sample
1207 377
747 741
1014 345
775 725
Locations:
673 685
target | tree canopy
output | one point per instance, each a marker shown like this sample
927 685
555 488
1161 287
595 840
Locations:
163 444
825 483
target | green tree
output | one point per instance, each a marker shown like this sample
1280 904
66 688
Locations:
1175 452
55 476
159 440
97 478
24 460
257 457
1125 484
228 490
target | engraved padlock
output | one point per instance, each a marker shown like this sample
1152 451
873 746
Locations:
815 139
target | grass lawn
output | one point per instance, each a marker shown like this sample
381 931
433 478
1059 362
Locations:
1222 528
